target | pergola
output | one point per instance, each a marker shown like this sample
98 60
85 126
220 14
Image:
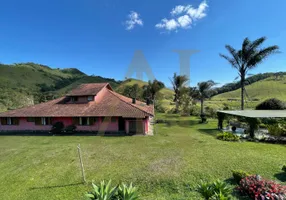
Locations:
251 115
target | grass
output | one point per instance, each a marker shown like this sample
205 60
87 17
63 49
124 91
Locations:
180 154
262 90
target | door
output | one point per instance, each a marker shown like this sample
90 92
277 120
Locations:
121 124
136 126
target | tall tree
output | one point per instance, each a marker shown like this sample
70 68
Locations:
152 89
202 92
179 85
247 58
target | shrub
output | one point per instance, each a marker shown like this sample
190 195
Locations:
277 129
217 190
203 118
227 136
70 129
102 192
238 175
284 168
127 192
106 192
271 104
259 189
57 127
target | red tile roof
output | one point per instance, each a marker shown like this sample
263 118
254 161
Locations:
111 104
87 89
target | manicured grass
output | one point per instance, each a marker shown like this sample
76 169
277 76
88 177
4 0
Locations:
162 166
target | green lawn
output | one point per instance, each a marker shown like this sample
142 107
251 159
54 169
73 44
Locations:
181 153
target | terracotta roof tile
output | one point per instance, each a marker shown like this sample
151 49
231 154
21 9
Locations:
87 89
112 104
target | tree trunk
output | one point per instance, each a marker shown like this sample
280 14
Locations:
242 83
177 106
202 106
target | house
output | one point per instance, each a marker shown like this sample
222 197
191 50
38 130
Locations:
91 107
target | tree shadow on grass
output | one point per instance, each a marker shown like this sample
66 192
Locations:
56 186
281 176
210 132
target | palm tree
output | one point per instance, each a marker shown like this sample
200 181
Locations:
152 89
179 83
247 58
201 92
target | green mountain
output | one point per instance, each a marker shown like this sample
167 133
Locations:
271 87
25 84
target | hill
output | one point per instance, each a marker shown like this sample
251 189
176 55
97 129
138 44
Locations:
23 84
271 87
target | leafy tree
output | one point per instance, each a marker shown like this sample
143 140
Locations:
151 90
179 86
247 58
271 104
201 92
127 91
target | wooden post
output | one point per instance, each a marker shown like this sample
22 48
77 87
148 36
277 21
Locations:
81 163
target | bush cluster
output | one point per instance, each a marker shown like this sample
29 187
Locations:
217 190
227 136
59 128
104 191
259 189
271 104
284 168
238 175
278 129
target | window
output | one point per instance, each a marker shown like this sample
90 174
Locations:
84 121
43 121
90 98
9 121
30 119
74 99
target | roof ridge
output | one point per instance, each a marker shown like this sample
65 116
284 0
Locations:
116 95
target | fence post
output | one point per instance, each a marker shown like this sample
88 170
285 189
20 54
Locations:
81 163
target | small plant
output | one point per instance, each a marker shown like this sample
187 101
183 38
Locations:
238 175
57 127
205 189
217 190
284 168
70 129
102 192
227 136
259 189
127 192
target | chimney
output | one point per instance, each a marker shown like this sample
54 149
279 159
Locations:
133 100
147 102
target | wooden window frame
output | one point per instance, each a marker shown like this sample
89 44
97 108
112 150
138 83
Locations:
87 121
90 96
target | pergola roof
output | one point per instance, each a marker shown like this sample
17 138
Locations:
256 113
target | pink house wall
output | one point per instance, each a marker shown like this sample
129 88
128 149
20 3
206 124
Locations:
30 126
24 125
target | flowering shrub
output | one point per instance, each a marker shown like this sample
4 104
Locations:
259 189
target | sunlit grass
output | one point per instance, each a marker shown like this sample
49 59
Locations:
180 154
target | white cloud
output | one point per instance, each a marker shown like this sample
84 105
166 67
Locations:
185 21
133 20
183 17
168 24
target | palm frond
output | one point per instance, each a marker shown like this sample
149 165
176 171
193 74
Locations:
261 55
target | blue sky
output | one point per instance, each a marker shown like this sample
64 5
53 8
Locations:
100 36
